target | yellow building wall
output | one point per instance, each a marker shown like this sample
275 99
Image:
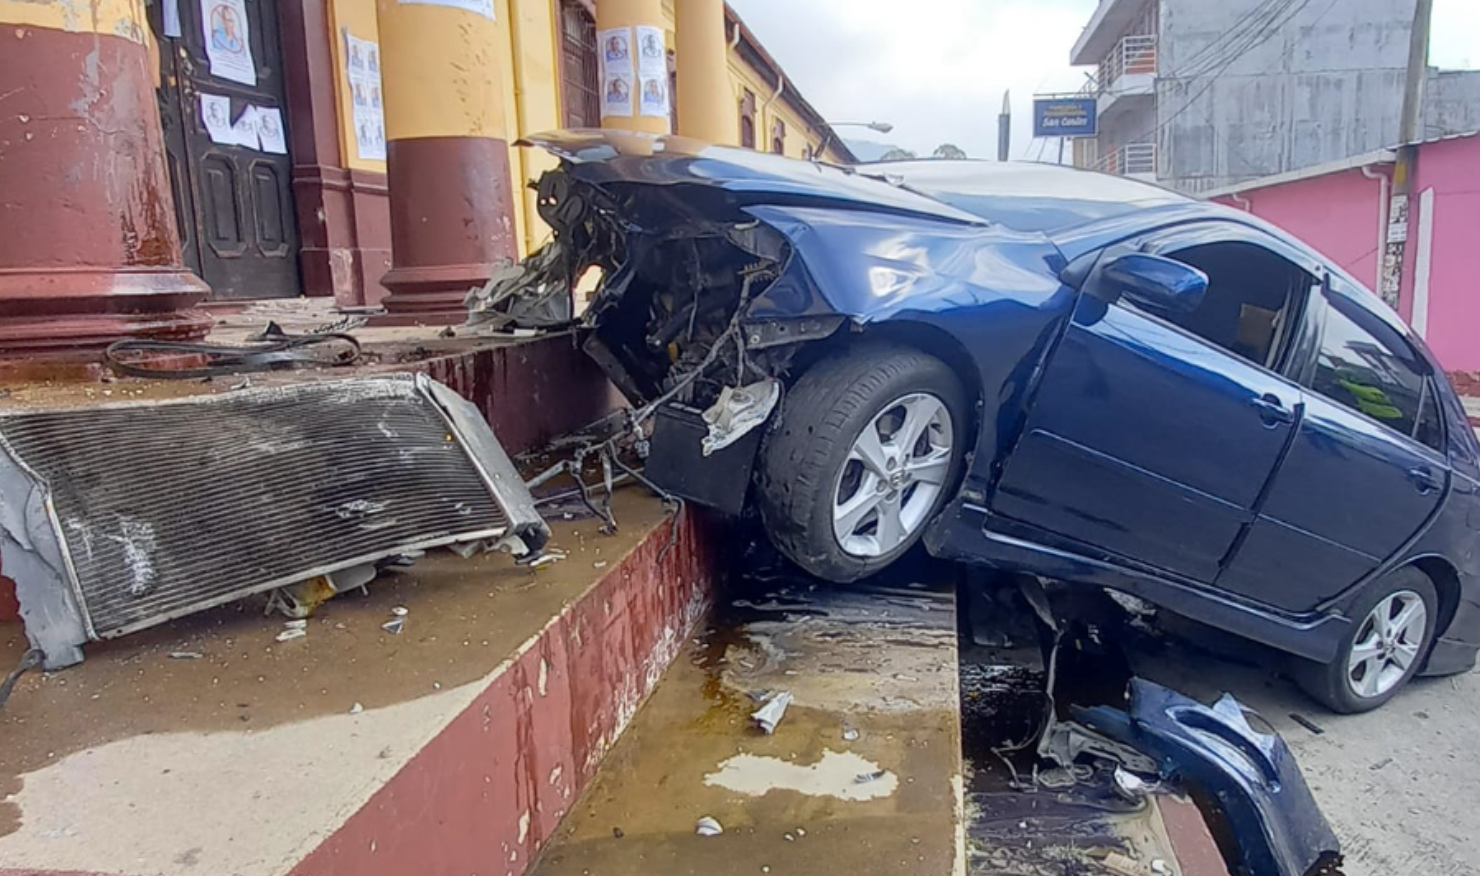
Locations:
529 79
528 56
799 135
124 18
358 19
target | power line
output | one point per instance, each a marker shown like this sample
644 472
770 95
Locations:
1232 150
1246 46
1193 65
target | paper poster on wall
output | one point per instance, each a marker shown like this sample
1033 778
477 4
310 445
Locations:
617 71
270 130
616 95
367 112
481 7
244 129
652 54
215 114
170 14
228 40
654 99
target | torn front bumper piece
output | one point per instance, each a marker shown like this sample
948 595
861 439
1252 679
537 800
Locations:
119 517
1271 817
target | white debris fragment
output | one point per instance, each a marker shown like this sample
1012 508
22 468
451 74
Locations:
394 625
1160 868
400 611
769 715
185 655
356 709
850 734
291 633
1129 785
707 826
737 411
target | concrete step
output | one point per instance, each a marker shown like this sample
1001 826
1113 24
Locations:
863 775
477 727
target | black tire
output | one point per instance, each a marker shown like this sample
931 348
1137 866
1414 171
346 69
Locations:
1328 682
821 417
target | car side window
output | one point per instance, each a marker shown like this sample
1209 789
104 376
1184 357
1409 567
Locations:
1364 364
1252 300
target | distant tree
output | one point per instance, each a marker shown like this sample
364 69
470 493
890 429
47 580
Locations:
949 150
898 154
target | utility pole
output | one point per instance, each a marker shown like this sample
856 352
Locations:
1409 134
1418 73
1004 126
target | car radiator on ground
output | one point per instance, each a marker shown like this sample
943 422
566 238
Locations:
118 517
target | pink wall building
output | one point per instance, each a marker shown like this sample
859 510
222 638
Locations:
1342 210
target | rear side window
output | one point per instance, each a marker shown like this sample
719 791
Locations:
1367 366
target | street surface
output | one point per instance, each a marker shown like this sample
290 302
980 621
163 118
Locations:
1398 784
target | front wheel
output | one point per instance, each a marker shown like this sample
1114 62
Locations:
1394 623
865 450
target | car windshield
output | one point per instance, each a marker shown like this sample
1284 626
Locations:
1024 197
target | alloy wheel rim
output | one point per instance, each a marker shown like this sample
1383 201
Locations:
1386 645
893 474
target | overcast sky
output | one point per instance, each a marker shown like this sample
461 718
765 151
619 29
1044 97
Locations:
936 69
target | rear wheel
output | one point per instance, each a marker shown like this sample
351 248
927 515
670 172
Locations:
865 450
1394 623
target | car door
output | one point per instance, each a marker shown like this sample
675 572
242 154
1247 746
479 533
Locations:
1144 440
1364 471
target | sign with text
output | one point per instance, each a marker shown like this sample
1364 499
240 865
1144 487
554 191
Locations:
1064 117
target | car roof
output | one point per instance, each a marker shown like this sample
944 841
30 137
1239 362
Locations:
1026 196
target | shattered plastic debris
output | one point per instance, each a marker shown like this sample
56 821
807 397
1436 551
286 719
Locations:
769 715
532 293
291 633
400 611
185 655
466 549
394 625
865 778
737 411
707 826
1129 785
544 559
850 734
356 709
1160 868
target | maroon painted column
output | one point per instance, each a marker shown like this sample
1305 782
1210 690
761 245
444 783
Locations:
89 251
452 204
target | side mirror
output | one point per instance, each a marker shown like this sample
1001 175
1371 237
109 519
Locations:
1153 281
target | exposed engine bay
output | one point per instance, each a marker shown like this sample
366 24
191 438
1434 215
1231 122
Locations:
670 319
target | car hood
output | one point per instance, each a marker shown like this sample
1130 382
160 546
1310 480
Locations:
603 156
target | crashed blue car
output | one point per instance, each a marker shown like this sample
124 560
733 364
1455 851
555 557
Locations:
1034 368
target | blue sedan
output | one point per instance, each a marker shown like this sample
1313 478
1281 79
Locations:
1034 368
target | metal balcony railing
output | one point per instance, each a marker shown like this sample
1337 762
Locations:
1130 159
1133 54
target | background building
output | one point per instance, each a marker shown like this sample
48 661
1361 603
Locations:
1199 95
154 154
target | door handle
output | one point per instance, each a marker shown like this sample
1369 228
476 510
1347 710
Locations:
1423 478
1271 409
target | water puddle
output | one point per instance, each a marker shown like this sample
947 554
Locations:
846 776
